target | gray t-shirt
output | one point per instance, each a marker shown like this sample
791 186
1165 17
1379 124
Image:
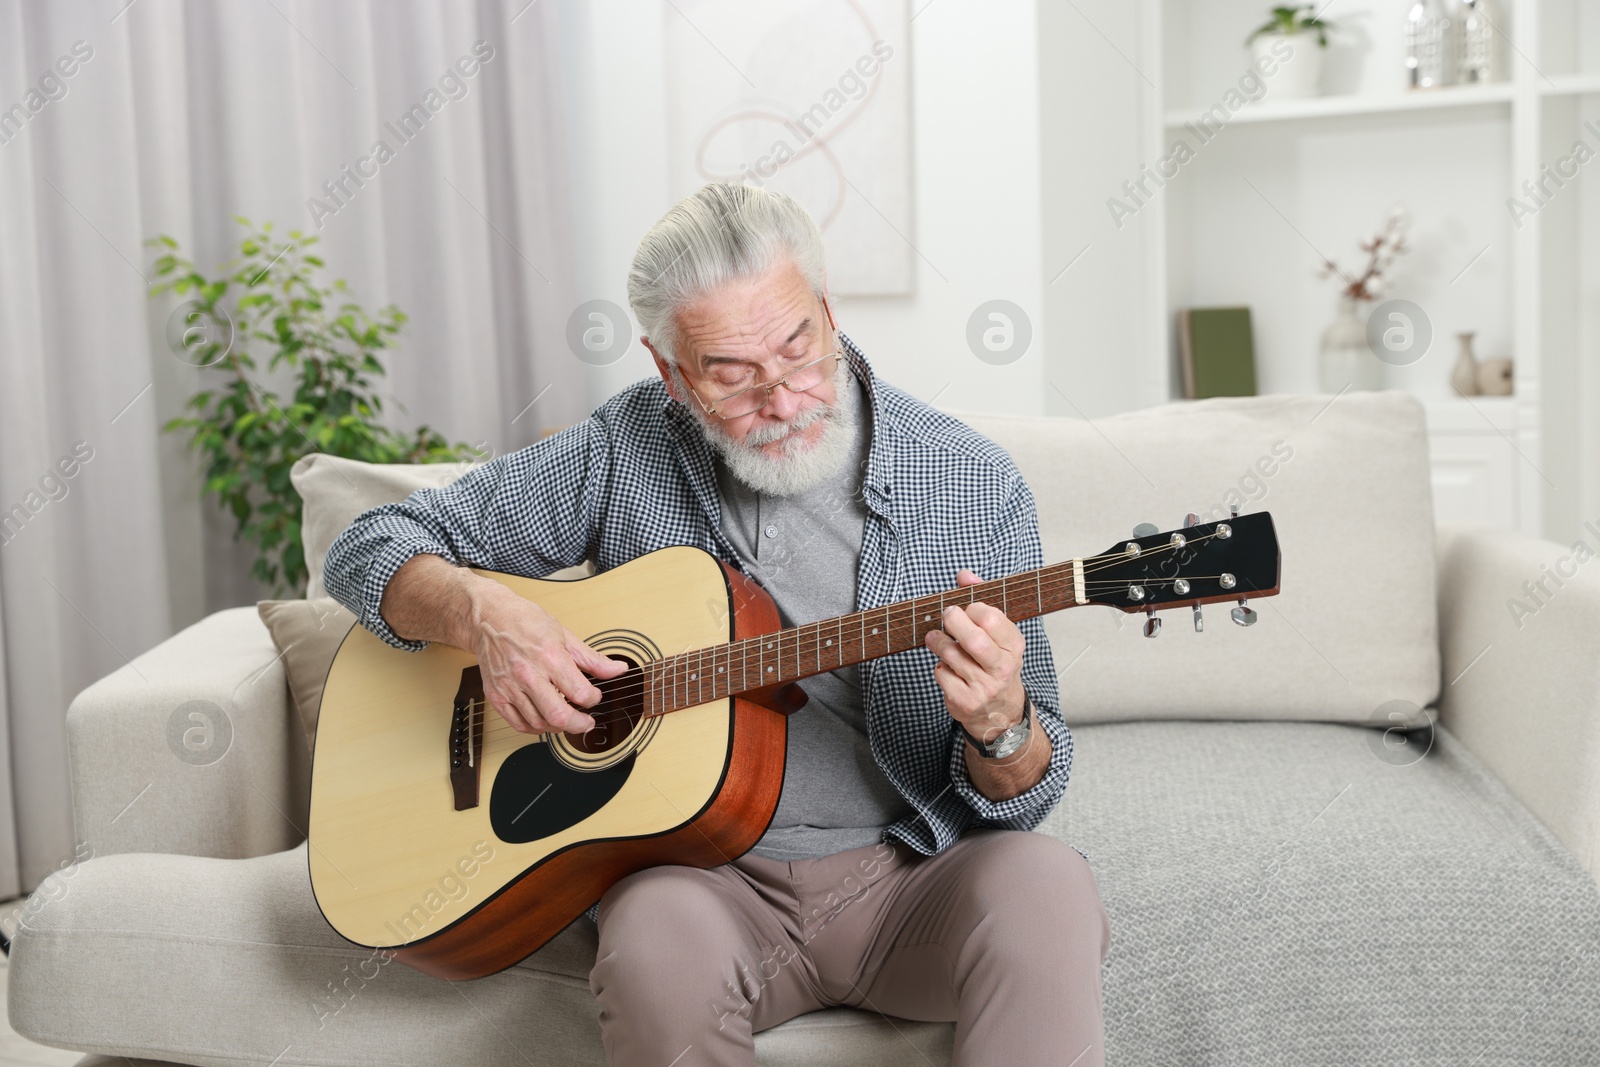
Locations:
804 550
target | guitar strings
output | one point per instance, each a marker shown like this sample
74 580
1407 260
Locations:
609 717
634 687
641 682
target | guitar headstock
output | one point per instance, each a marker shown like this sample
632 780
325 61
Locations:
1230 560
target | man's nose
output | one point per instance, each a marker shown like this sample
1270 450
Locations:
782 403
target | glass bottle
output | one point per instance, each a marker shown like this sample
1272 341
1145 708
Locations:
1429 55
1480 56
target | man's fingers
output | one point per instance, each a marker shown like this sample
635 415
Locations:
974 640
596 664
954 657
555 710
578 690
507 711
516 710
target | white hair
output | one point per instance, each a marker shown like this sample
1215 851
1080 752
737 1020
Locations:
722 233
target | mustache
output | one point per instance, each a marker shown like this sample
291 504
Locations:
762 435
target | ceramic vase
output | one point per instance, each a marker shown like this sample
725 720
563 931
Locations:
1345 360
1464 375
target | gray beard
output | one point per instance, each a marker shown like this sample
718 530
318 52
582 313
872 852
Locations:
798 468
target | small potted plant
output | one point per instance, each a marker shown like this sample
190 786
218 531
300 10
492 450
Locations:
1298 32
271 304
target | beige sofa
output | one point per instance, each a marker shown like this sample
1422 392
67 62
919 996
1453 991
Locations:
1363 830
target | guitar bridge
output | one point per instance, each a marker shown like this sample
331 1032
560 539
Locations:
466 738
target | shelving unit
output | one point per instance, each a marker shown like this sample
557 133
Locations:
1288 182
1353 104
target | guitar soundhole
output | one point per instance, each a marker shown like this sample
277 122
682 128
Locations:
620 710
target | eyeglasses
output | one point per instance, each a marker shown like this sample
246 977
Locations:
802 379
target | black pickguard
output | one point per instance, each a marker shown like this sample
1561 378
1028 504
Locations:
536 795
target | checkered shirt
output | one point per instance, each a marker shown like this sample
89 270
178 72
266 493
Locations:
638 475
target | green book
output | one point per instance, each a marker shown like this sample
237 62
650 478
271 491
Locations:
1217 352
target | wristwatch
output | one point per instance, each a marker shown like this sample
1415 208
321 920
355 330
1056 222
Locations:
1009 740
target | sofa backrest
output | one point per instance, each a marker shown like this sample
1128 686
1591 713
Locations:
1347 482
1351 637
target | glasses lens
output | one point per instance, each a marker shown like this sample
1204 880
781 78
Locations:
798 381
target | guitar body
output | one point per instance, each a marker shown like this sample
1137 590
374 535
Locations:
462 845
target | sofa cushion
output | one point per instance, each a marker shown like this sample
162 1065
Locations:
335 490
1317 893
1347 483
307 634
1279 893
221 962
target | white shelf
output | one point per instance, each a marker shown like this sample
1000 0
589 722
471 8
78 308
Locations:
1475 414
1316 107
1569 85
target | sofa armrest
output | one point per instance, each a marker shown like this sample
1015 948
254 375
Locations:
1519 633
191 748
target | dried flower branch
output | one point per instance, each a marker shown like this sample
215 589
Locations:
1382 249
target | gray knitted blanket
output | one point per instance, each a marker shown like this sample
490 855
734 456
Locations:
1296 893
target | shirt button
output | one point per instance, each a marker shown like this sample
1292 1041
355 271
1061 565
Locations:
772 531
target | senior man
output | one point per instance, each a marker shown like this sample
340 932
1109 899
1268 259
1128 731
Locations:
897 875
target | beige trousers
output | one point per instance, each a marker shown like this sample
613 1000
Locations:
1003 934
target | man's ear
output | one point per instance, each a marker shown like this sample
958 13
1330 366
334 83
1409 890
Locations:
664 370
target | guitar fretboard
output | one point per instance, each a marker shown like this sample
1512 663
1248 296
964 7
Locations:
719 671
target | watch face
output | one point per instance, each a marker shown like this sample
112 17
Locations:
1009 741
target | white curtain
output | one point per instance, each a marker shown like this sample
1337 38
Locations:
159 117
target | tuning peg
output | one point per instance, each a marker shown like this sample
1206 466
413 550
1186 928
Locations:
1152 624
1145 529
1191 519
1244 615
1199 620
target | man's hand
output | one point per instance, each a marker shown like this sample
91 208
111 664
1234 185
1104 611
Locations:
532 665
980 671
980 665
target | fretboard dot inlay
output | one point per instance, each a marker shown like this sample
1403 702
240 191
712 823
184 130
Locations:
874 629
721 669
769 644
829 641
692 677
769 670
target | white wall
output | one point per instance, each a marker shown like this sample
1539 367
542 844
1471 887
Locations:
975 138
1094 85
976 187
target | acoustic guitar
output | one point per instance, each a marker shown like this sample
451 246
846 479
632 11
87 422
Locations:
443 836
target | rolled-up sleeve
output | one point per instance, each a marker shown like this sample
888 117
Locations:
1017 548
529 512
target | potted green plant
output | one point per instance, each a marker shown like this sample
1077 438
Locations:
271 302
1294 38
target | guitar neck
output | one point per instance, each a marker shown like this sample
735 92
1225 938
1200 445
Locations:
720 671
